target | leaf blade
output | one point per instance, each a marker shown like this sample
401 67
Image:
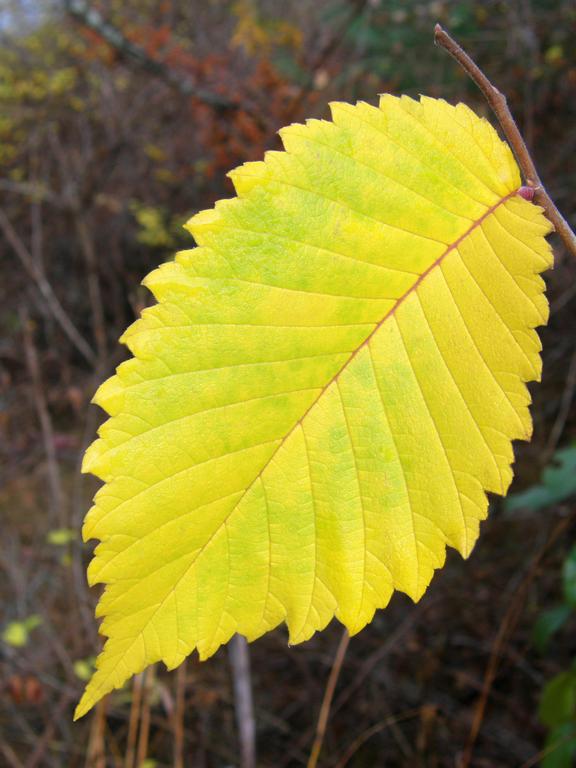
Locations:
307 504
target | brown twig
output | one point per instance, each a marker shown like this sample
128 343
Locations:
42 746
386 648
133 721
52 302
538 758
323 55
12 759
327 700
96 752
78 502
46 427
360 740
368 665
149 676
94 291
178 716
564 410
497 102
507 627
91 18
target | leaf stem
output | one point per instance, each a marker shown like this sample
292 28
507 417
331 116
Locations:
497 102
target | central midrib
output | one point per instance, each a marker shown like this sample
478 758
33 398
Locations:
390 313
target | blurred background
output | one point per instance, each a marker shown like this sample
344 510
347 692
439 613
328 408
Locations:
118 121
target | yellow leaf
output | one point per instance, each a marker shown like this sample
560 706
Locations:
324 393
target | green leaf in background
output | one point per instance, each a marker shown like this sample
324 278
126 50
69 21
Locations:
61 536
558 703
569 578
558 484
560 748
17 633
549 622
84 668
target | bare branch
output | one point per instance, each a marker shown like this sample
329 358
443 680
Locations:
327 700
41 406
239 655
497 102
133 719
82 11
34 191
323 55
89 17
178 716
564 410
144 735
94 291
52 302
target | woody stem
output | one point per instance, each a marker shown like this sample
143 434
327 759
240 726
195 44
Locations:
497 102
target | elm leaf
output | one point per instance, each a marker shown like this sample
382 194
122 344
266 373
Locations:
327 388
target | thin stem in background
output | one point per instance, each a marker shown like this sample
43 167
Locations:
53 304
46 427
12 759
77 573
323 55
149 676
497 102
96 753
94 291
240 662
327 700
507 627
133 720
374 729
42 746
179 733
563 412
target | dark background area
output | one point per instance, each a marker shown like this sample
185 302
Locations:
118 121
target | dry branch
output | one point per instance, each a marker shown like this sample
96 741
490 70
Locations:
56 309
240 662
497 102
89 17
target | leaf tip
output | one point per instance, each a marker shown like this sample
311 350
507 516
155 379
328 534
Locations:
83 707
